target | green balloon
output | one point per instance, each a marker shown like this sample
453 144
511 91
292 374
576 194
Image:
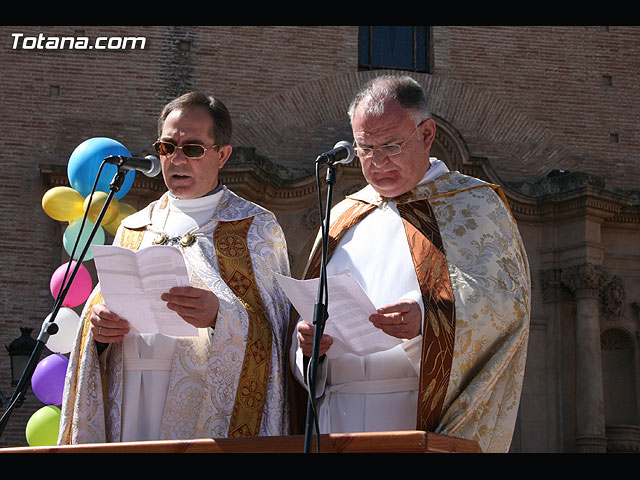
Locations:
43 427
72 232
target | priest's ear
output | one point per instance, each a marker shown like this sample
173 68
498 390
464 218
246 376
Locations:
428 129
224 152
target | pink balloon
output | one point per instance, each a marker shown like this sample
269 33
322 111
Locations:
80 287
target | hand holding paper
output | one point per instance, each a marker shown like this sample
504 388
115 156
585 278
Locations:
132 283
197 306
349 309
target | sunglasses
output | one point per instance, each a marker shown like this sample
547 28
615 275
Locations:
190 150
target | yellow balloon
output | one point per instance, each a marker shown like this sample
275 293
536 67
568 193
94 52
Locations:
63 203
97 201
125 211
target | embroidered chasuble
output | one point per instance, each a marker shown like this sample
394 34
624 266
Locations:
473 274
237 272
228 384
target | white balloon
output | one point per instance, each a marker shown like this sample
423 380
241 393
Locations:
68 323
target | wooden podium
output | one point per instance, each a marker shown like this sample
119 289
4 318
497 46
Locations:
378 442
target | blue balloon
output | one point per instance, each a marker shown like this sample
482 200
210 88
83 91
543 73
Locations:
84 164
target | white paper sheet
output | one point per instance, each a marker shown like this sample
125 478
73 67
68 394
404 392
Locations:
349 309
132 282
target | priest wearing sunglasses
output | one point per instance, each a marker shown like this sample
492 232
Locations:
228 380
440 256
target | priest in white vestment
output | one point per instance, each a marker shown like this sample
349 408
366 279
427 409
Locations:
227 381
440 256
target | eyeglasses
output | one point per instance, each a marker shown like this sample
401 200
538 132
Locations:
191 150
386 150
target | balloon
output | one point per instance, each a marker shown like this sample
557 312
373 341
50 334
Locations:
68 323
72 232
43 427
94 207
47 381
84 164
125 211
80 287
62 203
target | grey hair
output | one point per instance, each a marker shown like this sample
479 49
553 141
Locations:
406 91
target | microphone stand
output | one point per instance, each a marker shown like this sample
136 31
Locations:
320 313
50 327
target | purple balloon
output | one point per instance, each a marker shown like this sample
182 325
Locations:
47 381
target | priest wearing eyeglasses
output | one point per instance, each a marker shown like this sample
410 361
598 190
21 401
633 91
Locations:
440 256
227 381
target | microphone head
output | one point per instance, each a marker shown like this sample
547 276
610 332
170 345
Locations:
156 166
350 152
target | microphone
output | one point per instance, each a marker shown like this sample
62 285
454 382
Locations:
148 165
342 152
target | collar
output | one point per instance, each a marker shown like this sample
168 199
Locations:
444 183
230 207
212 192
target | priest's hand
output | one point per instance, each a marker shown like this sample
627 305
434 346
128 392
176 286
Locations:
196 306
402 319
106 326
304 334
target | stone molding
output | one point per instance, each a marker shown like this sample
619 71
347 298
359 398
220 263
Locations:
623 438
612 297
591 444
585 280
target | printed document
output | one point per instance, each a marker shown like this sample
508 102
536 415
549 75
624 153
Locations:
349 309
131 284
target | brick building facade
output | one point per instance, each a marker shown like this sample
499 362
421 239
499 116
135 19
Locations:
550 113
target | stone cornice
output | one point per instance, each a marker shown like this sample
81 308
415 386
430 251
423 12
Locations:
563 195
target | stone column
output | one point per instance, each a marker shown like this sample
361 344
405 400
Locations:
583 281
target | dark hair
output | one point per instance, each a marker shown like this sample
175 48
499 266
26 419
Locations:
220 115
403 89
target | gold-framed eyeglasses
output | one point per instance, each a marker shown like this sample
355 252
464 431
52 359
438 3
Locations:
388 150
190 150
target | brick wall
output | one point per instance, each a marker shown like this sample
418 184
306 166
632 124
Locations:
578 83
